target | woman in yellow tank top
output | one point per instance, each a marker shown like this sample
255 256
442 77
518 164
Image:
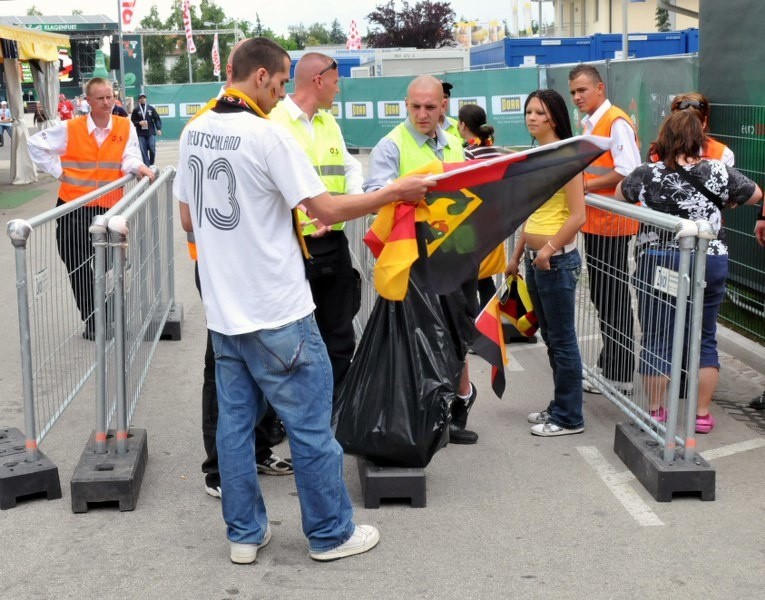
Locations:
552 267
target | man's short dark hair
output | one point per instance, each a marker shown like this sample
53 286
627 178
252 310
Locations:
587 70
257 53
447 89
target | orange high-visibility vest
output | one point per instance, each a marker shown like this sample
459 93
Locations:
601 222
713 149
88 167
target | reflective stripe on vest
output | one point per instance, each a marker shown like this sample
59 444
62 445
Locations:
413 156
325 151
601 222
88 167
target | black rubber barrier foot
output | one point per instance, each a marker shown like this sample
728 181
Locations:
110 477
391 483
19 478
172 329
644 457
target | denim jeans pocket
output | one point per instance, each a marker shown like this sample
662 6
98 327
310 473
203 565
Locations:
283 350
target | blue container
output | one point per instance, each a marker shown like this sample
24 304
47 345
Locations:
691 40
488 56
514 52
641 45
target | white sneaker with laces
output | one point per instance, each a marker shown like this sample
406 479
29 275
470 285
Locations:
539 417
244 554
551 430
364 538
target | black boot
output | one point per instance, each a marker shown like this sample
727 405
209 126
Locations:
460 409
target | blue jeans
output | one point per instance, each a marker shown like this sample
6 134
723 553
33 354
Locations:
6 128
290 367
656 311
553 294
148 149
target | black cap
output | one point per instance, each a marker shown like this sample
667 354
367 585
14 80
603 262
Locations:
447 88
142 95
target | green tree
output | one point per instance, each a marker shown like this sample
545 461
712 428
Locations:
427 24
298 35
34 12
662 20
336 33
155 48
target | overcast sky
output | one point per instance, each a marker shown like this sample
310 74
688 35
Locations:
277 15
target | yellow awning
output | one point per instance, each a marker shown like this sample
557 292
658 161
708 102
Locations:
40 45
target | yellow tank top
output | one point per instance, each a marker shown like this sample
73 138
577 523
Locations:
549 218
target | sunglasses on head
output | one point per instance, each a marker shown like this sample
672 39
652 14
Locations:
330 67
684 104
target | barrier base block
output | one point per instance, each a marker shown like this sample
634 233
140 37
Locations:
172 329
644 457
19 478
110 477
391 483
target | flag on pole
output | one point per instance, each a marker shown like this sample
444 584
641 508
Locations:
354 39
474 207
127 12
216 56
489 344
190 47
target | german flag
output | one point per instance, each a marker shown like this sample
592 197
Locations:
489 343
474 207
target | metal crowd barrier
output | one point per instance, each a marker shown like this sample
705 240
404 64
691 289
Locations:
364 263
71 302
639 313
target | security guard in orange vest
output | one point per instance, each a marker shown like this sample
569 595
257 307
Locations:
335 285
86 153
607 235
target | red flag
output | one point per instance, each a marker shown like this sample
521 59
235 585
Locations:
489 344
190 47
127 11
475 206
216 56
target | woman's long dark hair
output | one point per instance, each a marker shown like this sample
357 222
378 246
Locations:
474 118
555 107
681 134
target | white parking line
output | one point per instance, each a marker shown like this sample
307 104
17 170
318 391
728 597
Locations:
620 484
731 449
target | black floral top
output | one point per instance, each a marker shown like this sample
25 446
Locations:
660 188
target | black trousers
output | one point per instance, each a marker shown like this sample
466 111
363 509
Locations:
607 261
263 431
336 289
76 250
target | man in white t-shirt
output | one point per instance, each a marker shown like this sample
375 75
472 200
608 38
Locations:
239 179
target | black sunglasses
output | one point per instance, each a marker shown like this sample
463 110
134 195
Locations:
684 104
330 67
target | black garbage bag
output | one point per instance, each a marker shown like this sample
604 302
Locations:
393 406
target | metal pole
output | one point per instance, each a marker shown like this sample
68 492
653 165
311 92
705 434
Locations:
121 53
99 237
19 232
118 233
190 78
625 34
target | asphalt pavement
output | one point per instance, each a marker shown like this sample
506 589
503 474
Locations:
514 516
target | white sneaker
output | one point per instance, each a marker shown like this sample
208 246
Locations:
538 417
364 538
213 491
244 554
551 430
589 387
